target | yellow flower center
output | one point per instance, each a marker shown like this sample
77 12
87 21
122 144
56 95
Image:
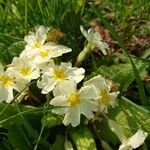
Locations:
25 71
59 74
74 99
104 97
37 45
6 80
44 53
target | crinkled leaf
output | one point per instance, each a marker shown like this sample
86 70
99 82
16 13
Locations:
82 138
121 73
130 116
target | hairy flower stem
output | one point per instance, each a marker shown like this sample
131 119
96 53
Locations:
83 54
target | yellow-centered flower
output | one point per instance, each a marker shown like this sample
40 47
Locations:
44 53
59 74
74 102
104 94
56 75
105 98
25 71
6 80
74 99
37 45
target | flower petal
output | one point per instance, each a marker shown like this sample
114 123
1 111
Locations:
67 118
137 139
59 101
68 87
78 74
83 31
87 107
30 39
113 100
41 34
87 92
59 111
75 116
46 84
99 82
72 116
6 94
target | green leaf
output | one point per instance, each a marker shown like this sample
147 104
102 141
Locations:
105 132
27 116
82 138
122 74
130 116
9 114
8 53
5 145
59 143
17 138
51 120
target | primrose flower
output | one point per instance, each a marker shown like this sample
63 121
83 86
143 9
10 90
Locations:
37 48
48 51
73 103
23 69
6 86
95 39
133 142
55 75
34 41
105 98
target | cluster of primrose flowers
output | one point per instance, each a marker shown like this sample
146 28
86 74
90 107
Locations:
37 61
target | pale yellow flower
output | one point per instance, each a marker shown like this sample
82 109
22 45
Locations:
105 98
74 102
55 75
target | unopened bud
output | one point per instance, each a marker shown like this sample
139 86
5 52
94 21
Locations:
83 54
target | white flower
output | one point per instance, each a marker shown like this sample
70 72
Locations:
48 51
34 41
134 141
95 39
73 103
6 86
21 86
38 49
105 97
23 69
55 75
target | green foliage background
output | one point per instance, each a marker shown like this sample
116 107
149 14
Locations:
25 126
